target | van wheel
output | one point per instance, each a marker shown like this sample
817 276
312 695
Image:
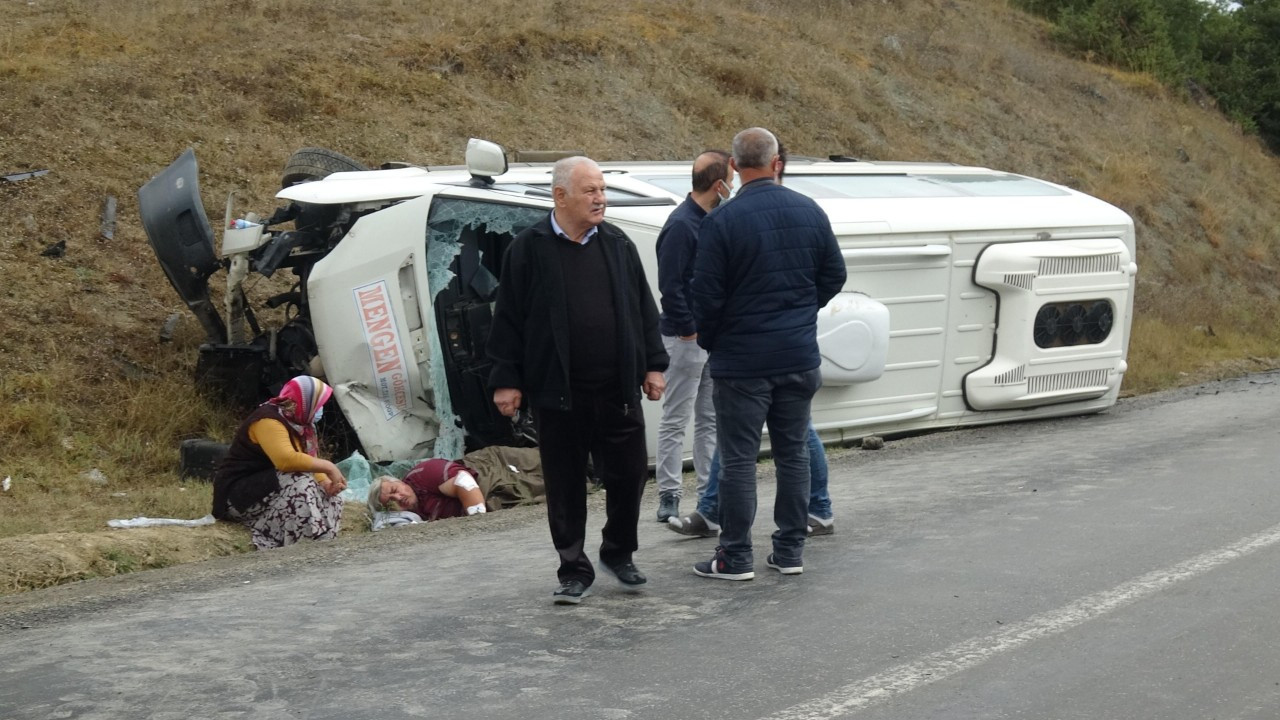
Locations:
314 163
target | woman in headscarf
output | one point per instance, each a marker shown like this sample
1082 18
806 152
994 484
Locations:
272 480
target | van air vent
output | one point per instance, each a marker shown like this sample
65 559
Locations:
1079 265
1067 381
1011 377
1019 280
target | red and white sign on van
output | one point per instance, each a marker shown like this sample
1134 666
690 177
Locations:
390 374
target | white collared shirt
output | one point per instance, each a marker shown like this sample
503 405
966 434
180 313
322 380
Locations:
559 231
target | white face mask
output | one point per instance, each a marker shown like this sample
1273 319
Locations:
728 193
319 414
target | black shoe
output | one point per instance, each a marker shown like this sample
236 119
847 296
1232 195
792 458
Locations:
626 573
718 567
570 592
668 506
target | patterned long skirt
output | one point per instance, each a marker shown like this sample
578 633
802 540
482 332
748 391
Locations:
299 510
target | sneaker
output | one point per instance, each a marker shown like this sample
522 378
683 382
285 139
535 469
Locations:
821 526
718 568
694 524
668 506
570 592
626 574
784 569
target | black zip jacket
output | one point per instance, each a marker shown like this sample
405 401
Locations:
529 340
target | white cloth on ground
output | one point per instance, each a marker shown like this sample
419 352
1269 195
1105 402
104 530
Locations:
154 522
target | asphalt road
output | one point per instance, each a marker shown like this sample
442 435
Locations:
1121 565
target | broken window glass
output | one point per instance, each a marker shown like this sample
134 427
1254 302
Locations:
465 244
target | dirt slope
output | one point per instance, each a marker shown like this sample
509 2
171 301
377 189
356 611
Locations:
105 94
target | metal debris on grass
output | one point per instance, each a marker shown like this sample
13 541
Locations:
170 324
20 176
108 227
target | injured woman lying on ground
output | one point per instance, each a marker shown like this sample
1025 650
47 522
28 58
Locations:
436 489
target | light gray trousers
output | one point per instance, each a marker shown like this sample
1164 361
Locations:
688 395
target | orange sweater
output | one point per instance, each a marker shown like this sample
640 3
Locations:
273 438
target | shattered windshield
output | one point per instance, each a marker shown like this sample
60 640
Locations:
450 220
465 242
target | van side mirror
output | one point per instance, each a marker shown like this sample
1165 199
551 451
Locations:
484 161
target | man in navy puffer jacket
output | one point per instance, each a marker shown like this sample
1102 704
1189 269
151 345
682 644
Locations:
767 262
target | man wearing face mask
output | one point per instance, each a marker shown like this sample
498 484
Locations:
688 377
704 521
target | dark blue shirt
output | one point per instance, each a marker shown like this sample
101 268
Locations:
677 246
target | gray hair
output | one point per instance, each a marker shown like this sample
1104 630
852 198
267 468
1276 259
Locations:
564 167
374 500
754 148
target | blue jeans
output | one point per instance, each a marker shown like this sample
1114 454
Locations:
819 497
743 407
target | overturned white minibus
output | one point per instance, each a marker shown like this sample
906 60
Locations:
973 296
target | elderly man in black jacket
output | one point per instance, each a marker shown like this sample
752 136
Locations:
575 337
767 262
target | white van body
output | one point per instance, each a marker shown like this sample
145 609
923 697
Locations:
973 296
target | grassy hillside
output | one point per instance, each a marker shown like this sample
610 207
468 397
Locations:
104 94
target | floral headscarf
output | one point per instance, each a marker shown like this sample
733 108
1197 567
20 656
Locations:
298 401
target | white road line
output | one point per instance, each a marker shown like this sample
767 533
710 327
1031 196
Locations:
960 657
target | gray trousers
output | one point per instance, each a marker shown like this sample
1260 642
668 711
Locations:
688 394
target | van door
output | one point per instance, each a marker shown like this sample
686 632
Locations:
911 276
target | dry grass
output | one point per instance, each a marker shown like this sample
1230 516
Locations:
105 94
34 561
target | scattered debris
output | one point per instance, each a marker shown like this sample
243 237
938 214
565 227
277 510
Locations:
1090 91
108 228
6 484
55 250
95 476
170 324
20 176
1183 156
872 442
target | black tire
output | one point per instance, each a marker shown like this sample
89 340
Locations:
314 163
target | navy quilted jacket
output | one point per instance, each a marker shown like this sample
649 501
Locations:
767 262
